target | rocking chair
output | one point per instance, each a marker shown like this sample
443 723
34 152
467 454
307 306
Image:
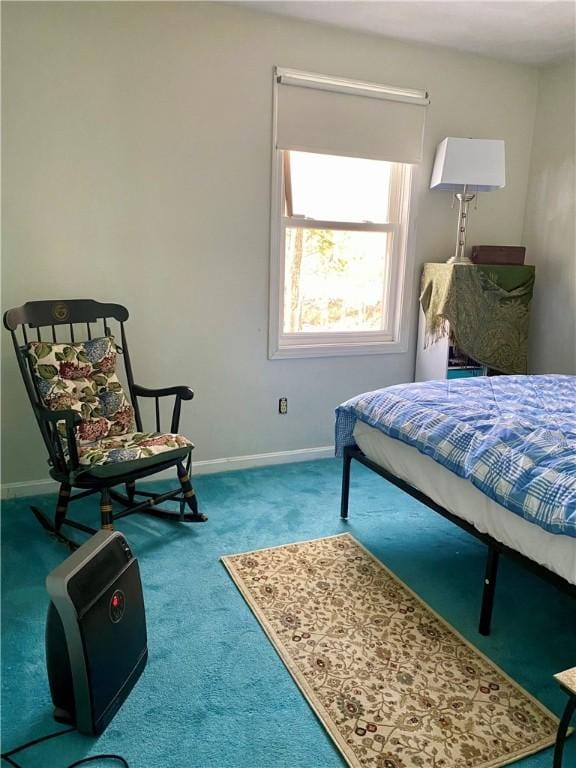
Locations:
92 431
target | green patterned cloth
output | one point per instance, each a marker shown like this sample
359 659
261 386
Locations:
485 307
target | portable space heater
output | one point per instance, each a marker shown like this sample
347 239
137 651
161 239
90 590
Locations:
95 632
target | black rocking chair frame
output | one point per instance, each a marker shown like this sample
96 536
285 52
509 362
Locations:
68 316
495 548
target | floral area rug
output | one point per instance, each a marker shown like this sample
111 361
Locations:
394 684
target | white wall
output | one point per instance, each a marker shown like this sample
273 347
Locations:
136 164
550 225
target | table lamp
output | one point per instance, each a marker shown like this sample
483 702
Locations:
466 167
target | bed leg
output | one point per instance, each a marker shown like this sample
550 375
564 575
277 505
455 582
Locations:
345 483
489 589
563 731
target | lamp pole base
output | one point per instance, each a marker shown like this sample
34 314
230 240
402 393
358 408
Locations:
464 198
457 259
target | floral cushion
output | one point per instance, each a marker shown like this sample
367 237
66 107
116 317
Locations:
81 377
129 447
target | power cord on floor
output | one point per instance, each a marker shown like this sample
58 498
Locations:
7 756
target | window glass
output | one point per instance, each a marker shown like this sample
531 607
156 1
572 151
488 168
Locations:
334 280
330 188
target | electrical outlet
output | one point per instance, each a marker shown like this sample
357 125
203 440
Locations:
283 405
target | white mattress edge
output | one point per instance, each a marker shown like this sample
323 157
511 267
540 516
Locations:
554 551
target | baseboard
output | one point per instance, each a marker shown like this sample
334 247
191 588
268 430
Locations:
262 459
209 466
30 488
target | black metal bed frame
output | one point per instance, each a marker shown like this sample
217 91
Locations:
495 548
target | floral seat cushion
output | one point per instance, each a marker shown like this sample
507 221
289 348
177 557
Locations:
82 377
101 456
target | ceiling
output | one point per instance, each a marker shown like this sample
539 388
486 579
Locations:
525 31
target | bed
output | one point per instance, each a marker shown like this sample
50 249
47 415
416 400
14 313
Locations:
496 455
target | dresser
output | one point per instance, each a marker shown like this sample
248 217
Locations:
473 320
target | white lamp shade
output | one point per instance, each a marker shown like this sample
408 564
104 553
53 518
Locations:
477 163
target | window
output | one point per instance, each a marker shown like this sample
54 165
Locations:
340 235
339 232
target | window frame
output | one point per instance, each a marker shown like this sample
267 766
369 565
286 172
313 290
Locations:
333 343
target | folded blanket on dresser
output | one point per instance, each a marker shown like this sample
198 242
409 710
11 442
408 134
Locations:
513 437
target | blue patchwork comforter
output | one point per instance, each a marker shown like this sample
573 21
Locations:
513 437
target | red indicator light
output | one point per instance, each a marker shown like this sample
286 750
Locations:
117 604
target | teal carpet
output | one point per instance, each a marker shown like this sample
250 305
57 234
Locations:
215 694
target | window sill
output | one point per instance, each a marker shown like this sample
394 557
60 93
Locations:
336 349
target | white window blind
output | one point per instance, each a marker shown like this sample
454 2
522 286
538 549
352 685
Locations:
336 116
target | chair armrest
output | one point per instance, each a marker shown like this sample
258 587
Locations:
71 419
184 393
179 393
